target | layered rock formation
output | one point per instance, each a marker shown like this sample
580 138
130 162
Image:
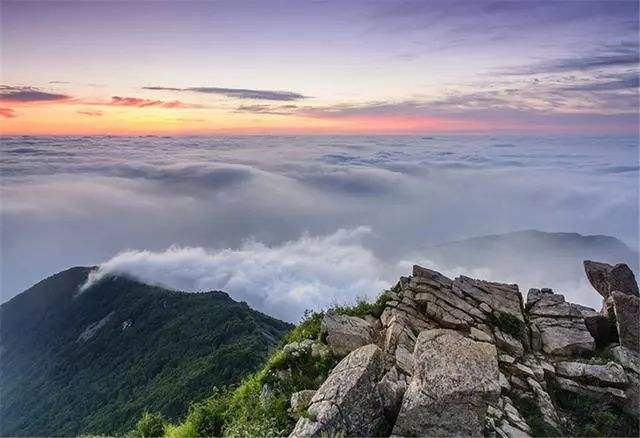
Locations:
470 357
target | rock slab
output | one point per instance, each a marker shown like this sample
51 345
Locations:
348 402
346 333
454 380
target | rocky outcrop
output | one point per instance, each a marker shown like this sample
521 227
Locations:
558 328
348 401
451 357
626 309
346 333
606 278
454 380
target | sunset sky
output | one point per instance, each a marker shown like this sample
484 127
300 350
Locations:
178 67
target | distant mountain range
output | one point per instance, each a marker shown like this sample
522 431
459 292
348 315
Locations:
531 259
93 362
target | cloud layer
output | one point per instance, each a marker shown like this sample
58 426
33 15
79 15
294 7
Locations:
281 280
80 200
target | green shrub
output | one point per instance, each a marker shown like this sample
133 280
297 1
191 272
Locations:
509 323
533 416
589 417
309 328
363 307
150 424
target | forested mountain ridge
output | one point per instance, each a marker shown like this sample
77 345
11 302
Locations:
94 361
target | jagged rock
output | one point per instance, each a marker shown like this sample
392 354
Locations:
545 405
597 324
548 368
512 432
404 359
564 337
506 342
300 401
505 386
595 392
629 359
346 333
536 367
553 306
392 387
375 322
611 374
498 296
521 370
606 278
514 417
348 401
398 330
519 383
479 335
454 380
632 406
627 311
505 358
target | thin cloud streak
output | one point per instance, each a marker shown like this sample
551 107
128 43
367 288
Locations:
238 93
28 95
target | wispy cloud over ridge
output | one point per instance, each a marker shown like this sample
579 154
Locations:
239 93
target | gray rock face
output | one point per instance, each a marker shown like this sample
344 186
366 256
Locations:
606 278
454 380
392 387
498 296
346 333
557 327
627 312
564 337
611 374
348 401
592 391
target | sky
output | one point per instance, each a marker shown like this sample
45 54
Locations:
291 67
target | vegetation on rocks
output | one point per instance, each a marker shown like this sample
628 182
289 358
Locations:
260 405
509 324
593 418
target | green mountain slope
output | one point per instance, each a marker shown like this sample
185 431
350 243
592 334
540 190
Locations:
93 362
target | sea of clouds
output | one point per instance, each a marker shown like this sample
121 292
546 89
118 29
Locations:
288 223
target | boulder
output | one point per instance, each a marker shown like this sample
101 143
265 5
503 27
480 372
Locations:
563 337
627 311
348 401
454 380
346 333
606 278
611 374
